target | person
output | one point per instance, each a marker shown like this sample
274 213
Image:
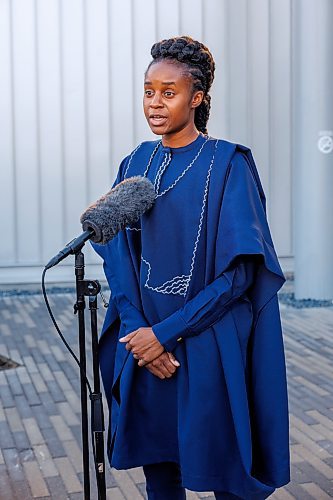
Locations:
191 350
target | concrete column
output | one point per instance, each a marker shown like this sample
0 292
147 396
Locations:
313 147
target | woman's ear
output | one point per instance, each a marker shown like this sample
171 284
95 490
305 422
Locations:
197 98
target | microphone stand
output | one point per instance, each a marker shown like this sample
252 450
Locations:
89 288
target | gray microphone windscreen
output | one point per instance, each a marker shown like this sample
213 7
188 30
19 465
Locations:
121 207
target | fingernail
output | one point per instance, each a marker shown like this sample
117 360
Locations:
176 362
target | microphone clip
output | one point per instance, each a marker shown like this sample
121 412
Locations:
88 288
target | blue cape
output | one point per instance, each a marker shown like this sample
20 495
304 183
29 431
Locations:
233 427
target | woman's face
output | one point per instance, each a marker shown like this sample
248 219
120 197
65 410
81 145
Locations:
169 103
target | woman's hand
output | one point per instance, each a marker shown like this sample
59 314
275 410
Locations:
143 344
164 366
145 347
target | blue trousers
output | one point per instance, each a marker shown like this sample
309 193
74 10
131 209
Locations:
164 482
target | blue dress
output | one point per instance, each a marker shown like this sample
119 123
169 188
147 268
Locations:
199 268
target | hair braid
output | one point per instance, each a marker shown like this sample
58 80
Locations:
198 63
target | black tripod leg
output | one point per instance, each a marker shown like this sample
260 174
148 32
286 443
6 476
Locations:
79 308
97 416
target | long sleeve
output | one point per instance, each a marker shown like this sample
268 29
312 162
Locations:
208 306
242 239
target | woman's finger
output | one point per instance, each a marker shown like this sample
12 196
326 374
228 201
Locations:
173 359
166 365
154 370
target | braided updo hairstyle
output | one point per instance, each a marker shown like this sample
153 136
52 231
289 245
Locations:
198 63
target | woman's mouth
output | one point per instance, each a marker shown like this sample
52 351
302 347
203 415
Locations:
157 120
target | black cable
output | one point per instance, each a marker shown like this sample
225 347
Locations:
58 329
77 361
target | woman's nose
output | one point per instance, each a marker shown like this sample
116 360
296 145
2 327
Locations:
156 100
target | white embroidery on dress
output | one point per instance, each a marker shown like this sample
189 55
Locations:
184 171
160 172
130 158
179 284
177 281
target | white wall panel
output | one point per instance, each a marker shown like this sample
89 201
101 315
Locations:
8 246
52 212
27 171
258 80
74 113
280 191
97 97
144 35
215 30
71 79
98 126
239 90
192 25
168 18
121 79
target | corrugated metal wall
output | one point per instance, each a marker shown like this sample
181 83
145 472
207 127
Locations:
71 85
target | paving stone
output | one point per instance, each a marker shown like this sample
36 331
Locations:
30 340
14 466
74 453
14 383
73 397
282 494
68 414
14 420
298 492
70 371
6 437
114 494
45 371
127 485
6 397
57 488
315 491
55 391
77 432
6 486
22 374
68 475
38 383
45 461
40 410
53 443
48 403
63 382
27 455
21 440
23 407
315 475
31 394
41 416
33 431
63 431
58 354
35 479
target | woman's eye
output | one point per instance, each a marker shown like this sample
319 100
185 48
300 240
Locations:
168 93
148 93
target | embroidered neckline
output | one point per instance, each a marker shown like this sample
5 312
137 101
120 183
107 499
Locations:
167 160
187 147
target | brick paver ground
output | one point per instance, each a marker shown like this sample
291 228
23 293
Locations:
40 431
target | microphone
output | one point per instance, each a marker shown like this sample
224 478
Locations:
121 207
